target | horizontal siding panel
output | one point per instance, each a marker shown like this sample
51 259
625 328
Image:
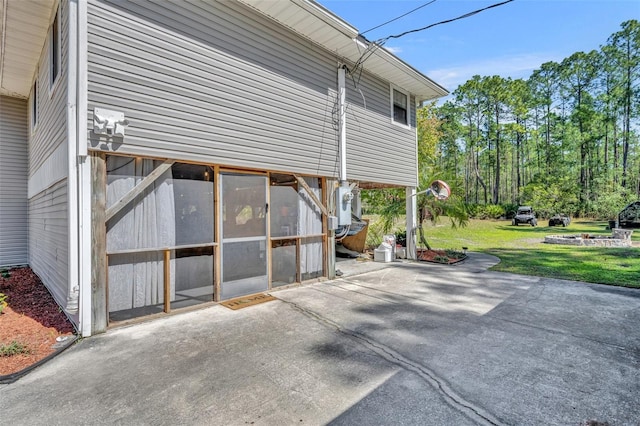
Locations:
48 239
51 171
180 103
197 59
216 82
377 149
230 29
51 129
14 248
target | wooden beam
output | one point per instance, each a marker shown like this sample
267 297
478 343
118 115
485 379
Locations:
312 195
99 264
137 190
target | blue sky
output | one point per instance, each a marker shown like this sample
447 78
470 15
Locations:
511 40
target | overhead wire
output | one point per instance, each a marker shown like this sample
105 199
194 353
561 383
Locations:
395 19
466 15
375 45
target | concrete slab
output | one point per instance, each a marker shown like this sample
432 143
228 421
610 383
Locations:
404 344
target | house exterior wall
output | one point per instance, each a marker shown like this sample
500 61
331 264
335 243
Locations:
216 82
47 187
377 149
48 233
13 181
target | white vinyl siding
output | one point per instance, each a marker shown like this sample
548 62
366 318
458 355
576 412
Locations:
216 82
47 171
48 235
14 134
51 128
379 150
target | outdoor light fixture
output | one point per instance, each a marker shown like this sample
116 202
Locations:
107 122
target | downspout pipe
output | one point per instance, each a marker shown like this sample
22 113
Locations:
72 171
78 177
342 127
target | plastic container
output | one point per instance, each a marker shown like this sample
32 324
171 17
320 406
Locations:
382 255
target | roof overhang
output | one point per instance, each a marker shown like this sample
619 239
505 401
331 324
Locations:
23 30
322 27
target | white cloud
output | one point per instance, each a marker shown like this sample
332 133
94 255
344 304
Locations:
394 50
517 66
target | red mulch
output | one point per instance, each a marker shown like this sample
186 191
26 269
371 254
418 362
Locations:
431 255
32 319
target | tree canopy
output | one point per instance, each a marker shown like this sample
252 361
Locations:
565 139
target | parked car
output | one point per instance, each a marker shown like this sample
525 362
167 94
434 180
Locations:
559 219
525 214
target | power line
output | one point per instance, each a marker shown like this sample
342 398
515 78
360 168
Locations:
375 45
466 15
401 16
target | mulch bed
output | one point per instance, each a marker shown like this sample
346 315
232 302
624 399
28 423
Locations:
32 319
438 256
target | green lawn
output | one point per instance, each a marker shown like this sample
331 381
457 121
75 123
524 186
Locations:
522 251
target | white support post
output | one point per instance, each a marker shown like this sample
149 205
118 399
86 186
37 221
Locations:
412 210
84 173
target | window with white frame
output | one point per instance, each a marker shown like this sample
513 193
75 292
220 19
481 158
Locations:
34 105
400 106
54 50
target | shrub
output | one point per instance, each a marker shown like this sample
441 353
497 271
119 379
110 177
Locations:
375 232
454 254
472 210
486 211
401 238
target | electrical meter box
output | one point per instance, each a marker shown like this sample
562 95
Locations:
343 205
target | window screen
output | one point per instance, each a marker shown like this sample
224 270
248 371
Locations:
399 107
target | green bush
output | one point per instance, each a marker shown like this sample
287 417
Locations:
454 254
375 232
510 210
4 273
486 211
472 210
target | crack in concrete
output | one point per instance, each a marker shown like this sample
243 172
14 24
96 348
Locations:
454 400
561 333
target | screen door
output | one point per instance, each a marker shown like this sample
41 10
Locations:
244 211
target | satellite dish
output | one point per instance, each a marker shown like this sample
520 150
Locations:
440 190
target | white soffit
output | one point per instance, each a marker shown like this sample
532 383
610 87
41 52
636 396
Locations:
23 29
322 27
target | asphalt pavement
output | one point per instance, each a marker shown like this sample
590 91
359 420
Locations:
385 344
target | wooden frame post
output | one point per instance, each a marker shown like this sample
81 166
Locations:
99 264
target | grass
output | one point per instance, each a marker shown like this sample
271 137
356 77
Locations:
13 348
522 251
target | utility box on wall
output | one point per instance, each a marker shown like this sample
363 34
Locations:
343 205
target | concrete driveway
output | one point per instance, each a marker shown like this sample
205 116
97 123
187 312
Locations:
406 344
